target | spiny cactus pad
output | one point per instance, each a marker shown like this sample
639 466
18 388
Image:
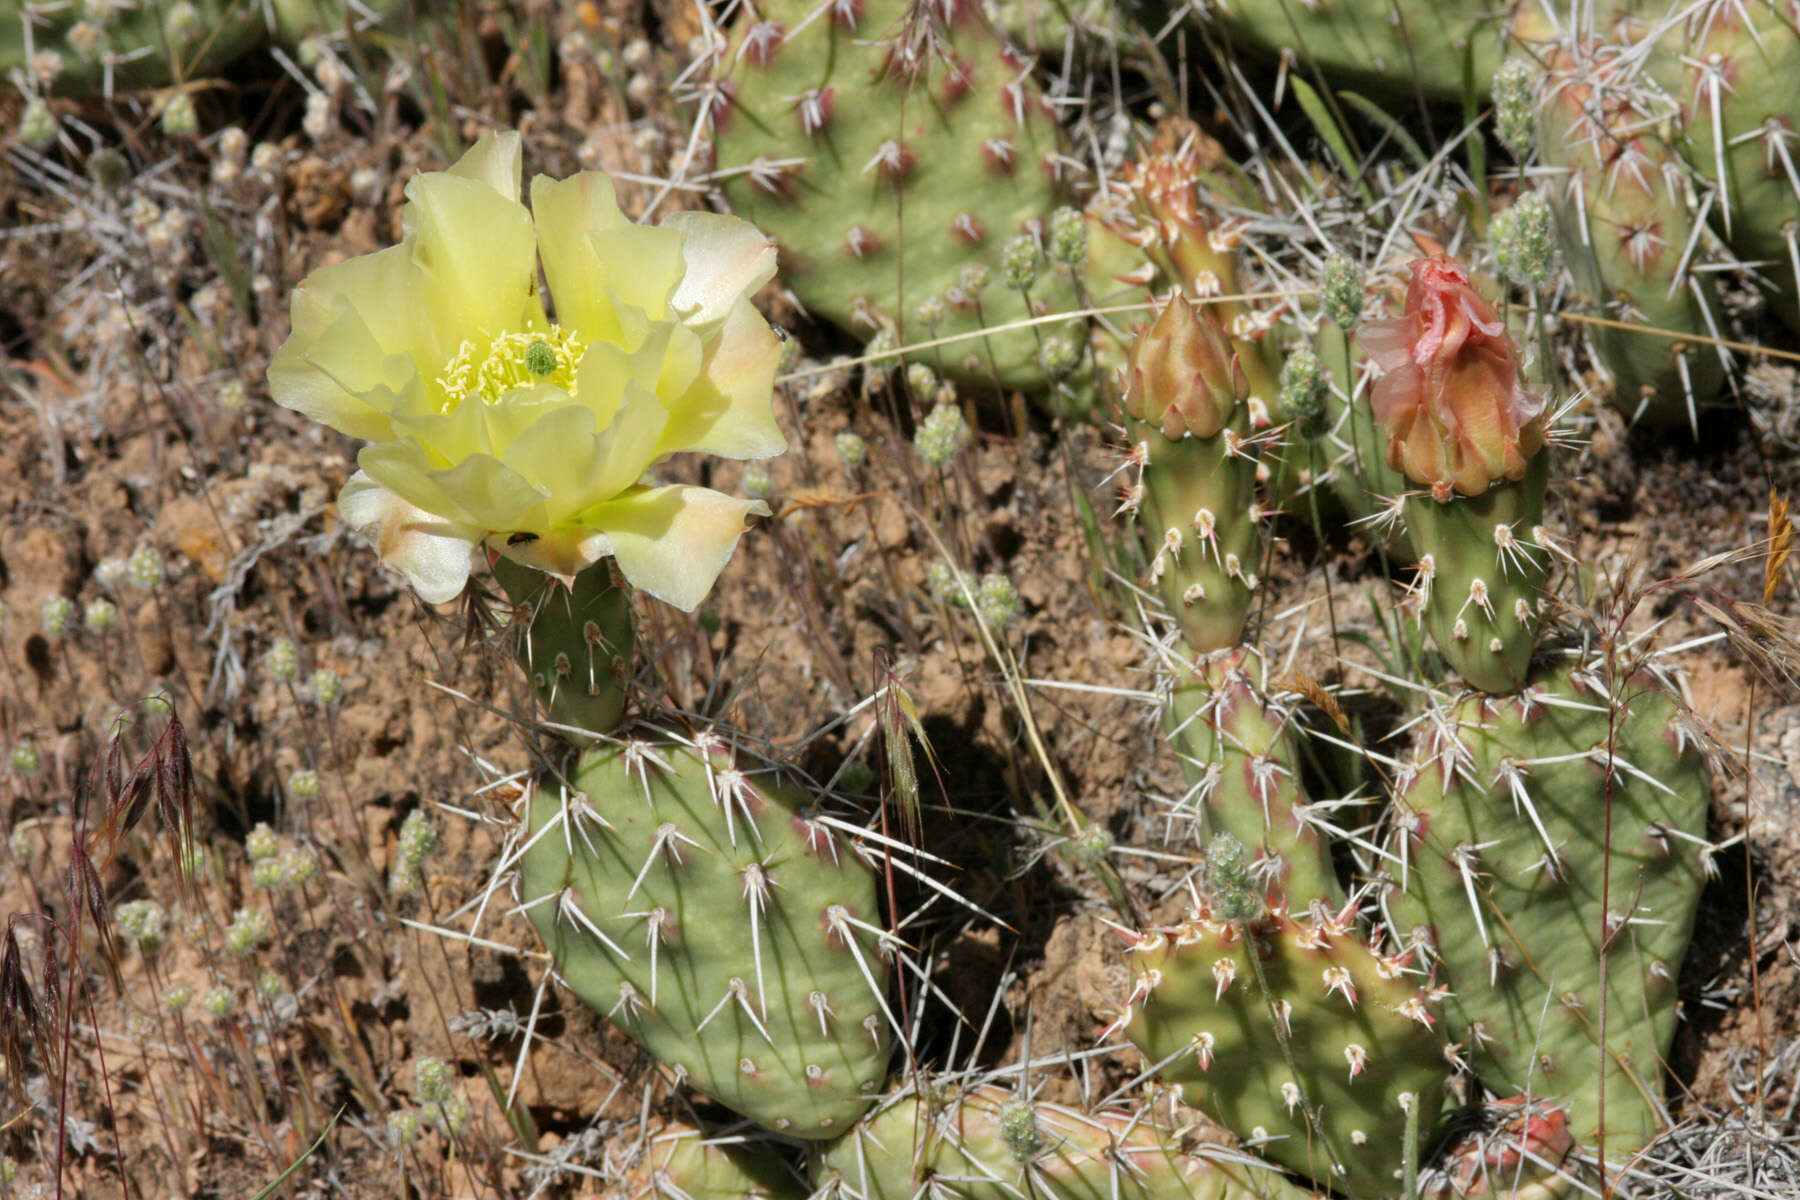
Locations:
991 1145
1367 1055
574 643
1241 774
717 923
1531 829
895 151
677 1162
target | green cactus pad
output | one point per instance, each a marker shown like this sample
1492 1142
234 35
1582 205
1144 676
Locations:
989 1145
1483 561
894 156
718 924
677 1162
575 645
1358 1026
1528 825
1234 750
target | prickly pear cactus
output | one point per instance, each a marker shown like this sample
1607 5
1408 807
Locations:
1233 743
714 921
1517 1150
991 1145
897 152
1291 1028
574 643
677 1162
1548 845
1411 49
1625 216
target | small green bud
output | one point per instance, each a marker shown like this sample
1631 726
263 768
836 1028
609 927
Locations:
178 116
403 1127
303 785
178 997
232 395
942 433
1341 292
145 567
941 581
249 928
922 380
1059 355
1513 82
1228 880
998 600
1018 263
37 124
219 1002
1094 844
856 777
183 22
1303 392
299 864
25 759
283 660
433 1085
261 843
58 611
756 482
268 873
1525 241
87 40
144 924
110 574
929 312
1020 1131
1068 237
418 838
326 687
451 1117
852 449
975 277
268 984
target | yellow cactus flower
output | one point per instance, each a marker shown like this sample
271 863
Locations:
489 421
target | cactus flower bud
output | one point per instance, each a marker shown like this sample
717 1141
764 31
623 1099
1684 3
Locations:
1184 376
1451 404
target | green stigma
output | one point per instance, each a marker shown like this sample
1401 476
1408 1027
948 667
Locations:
540 358
504 362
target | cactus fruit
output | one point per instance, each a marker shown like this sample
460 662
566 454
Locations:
899 153
1625 218
1233 745
1192 485
1545 844
574 643
715 921
1461 426
1403 47
1517 1151
991 1145
1295 1029
677 1162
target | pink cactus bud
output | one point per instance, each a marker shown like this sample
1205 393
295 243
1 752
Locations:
762 41
967 226
1451 403
860 241
1183 376
814 109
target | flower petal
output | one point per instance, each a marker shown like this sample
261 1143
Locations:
495 160
477 248
479 490
567 211
357 333
431 552
673 541
727 259
576 465
730 409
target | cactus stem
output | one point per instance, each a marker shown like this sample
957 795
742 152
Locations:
569 908
667 843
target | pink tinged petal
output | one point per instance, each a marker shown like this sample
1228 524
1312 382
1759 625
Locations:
431 552
479 491
673 541
567 211
730 410
561 552
1388 342
477 249
727 258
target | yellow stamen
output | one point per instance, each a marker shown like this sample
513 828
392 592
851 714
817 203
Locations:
509 361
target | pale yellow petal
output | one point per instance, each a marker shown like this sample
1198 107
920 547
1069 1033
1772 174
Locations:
673 541
726 258
566 212
642 266
574 464
476 247
431 552
479 490
495 160
729 409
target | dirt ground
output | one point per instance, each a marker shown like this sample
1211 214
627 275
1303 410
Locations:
136 320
